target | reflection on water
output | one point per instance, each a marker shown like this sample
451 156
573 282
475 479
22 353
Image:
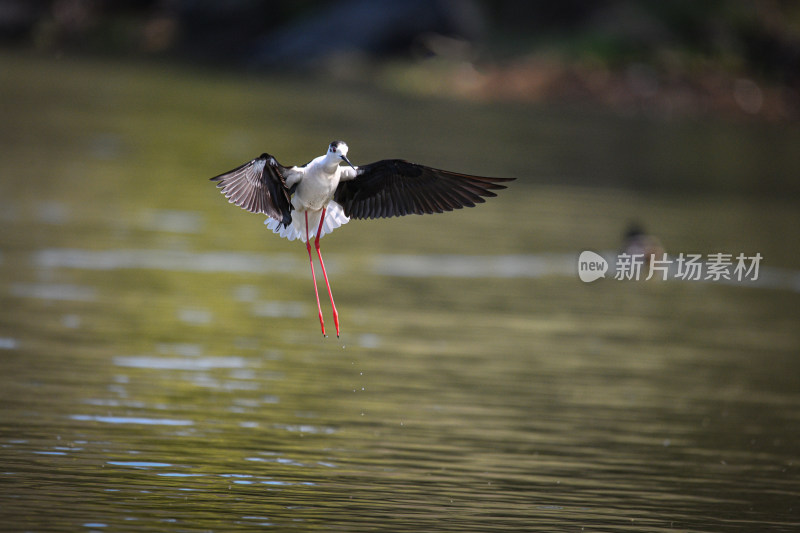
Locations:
53 291
132 420
161 366
178 260
550 264
458 266
174 363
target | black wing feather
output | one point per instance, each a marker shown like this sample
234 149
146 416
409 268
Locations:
259 187
394 187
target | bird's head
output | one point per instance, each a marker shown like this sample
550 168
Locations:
337 151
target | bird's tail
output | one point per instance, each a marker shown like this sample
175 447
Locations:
334 217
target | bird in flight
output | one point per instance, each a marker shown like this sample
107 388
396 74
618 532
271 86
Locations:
308 201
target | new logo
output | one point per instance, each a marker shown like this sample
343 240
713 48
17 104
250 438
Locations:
591 266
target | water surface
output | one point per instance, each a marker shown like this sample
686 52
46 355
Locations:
161 366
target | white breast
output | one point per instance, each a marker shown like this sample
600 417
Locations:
315 189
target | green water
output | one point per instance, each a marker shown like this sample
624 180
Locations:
161 365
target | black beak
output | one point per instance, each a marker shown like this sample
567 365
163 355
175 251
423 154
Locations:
344 157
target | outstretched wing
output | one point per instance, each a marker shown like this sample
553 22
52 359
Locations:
394 187
259 187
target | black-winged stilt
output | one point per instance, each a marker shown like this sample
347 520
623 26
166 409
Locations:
326 195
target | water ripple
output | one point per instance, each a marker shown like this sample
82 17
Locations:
179 363
54 291
139 464
276 309
132 420
541 265
464 266
8 343
174 260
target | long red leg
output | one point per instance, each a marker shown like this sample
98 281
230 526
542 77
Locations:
325 274
314 277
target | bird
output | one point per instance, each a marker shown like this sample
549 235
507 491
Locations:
308 201
637 242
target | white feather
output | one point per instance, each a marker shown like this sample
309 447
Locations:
334 217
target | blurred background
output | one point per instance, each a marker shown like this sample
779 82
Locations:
160 357
662 59
673 65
